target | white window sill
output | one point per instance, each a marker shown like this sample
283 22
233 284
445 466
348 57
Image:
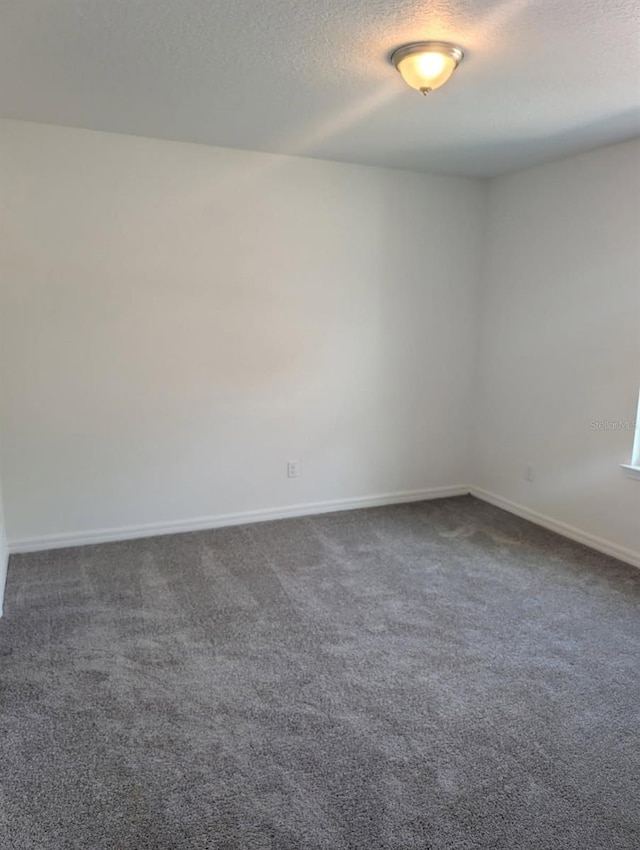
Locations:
631 471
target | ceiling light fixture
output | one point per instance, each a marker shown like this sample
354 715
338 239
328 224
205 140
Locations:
426 65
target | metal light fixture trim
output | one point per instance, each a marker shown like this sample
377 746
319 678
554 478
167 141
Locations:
407 61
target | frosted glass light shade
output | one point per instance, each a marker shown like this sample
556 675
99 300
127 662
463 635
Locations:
426 65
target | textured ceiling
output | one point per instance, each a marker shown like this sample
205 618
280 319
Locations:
541 78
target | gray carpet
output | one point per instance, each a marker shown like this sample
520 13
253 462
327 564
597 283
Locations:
435 675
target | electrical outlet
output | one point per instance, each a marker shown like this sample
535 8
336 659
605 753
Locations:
528 472
293 469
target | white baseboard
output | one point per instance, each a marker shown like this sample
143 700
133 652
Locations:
131 532
4 563
629 556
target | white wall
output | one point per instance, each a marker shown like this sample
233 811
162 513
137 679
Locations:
561 341
177 321
4 548
4 554
181 320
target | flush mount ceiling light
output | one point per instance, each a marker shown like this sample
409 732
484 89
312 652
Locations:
426 65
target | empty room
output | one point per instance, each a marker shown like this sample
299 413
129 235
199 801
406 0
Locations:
319 447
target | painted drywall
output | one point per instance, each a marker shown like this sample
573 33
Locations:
180 321
4 546
4 554
559 361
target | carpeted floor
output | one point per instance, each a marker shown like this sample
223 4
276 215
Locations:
436 675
